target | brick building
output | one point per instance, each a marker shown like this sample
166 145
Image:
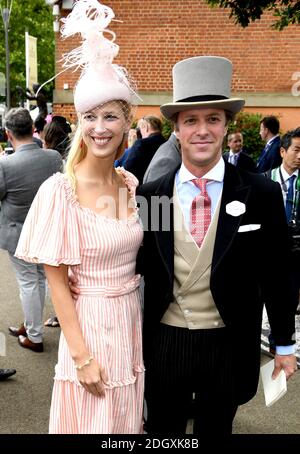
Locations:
154 35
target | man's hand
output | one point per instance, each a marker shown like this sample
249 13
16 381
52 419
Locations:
72 284
286 362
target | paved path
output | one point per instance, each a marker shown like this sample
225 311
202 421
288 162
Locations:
25 398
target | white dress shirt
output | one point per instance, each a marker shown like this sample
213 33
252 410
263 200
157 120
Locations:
231 157
187 191
285 177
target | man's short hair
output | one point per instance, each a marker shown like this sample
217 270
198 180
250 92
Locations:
271 123
154 122
232 134
286 140
19 122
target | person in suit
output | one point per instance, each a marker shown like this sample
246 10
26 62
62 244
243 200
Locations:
143 150
201 221
133 135
236 156
270 156
167 157
21 175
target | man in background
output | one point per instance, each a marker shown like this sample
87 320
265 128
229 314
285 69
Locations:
236 156
270 156
167 157
143 150
21 175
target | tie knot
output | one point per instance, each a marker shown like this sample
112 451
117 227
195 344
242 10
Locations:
201 183
292 179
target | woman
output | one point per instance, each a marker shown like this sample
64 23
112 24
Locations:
86 220
56 136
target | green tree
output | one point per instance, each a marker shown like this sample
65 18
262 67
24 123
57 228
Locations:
245 11
35 17
248 124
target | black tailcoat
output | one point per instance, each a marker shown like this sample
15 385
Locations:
248 268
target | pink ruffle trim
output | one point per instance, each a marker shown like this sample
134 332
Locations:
110 385
130 181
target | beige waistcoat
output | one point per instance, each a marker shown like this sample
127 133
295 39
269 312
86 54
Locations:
193 306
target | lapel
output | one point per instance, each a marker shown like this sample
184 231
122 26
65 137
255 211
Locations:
263 154
165 236
233 189
226 156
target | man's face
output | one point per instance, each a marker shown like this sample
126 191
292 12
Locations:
263 132
236 143
291 156
201 132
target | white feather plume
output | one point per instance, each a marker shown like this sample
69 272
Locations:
91 19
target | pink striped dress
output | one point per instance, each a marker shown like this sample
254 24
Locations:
101 253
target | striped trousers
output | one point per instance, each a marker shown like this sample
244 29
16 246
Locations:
183 362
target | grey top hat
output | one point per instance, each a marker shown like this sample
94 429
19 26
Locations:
202 82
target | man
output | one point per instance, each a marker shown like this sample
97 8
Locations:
167 157
6 373
133 135
270 156
143 150
209 265
236 156
21 175
288 176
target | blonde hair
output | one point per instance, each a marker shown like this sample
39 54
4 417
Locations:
78 149
76 154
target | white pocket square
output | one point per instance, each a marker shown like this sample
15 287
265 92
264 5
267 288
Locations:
249 227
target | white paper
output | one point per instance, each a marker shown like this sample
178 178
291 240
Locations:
273 389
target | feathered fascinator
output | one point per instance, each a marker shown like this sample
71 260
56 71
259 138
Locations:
101 80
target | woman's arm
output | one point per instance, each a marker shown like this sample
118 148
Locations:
91 376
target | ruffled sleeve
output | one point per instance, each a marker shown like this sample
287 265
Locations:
50 233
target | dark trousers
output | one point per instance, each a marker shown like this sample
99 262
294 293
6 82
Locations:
184 362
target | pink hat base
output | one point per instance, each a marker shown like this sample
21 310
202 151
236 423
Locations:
98 86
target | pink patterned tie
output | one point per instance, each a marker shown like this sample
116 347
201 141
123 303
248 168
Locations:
200 212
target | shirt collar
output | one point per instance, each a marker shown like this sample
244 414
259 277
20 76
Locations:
215 174
231 153
285 175
271 140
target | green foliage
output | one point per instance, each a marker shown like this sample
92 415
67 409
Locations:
167 128
35 17
286 11
248 124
